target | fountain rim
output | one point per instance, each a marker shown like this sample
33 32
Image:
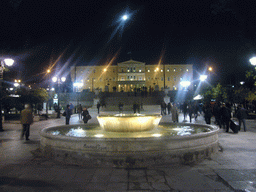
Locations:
44 133
127 115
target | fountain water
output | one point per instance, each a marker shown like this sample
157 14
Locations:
130 140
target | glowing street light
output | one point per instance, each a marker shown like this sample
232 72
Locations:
125 17
59 81
253 61
210 69
203 77
185 84
3 62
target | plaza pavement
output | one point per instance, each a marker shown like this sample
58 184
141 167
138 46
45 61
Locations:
233 168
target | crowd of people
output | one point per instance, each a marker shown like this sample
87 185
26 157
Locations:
223 112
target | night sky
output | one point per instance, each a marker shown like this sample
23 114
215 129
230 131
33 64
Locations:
217 33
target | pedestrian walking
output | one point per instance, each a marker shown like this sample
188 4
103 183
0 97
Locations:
79 111
241 116
207 113
68 113
190 111
26 120
163 108
185 109
98 107
175 114
217 113
169 107
86 115
225 116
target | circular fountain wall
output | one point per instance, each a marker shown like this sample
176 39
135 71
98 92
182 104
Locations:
168 143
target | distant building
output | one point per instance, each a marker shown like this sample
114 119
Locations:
130 75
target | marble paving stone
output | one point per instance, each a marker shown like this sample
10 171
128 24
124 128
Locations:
103 171
83 175
96 186
119 178
117 186
137 173
137 179
119 172
64 174
139 186
235 175
243 185
100 178
160 186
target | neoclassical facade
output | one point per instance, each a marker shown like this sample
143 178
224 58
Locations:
130 75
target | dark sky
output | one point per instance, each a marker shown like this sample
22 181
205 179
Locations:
219 33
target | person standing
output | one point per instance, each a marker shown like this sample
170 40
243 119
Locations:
207 113
68 112
175 114
242 115
98 107
225 116
190 111
86 115
169 107
79 111
26 120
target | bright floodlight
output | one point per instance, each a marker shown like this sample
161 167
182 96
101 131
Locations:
63 79
78 84
203 77
125 17
185 83
253 61
54 79
9 62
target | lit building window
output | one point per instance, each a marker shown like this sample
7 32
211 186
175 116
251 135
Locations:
140 78
162 70
88 79
148 69
128 69
186 69
140 70
174 69
122 78
168 70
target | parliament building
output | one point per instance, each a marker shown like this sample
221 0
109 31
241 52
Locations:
130 76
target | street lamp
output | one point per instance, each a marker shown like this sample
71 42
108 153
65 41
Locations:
59 81
8 62
203 77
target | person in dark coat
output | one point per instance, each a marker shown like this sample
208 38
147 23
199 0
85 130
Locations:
217 113
68 112
98 107
242 115
79 111
190 111
163 108
225 116
169 107
207 113
86 115
26 119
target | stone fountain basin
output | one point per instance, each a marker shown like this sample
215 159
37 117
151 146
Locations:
128 122
135 152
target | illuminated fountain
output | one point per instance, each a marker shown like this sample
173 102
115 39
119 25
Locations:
135 140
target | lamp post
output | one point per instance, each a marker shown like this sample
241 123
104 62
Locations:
8 62
59 81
